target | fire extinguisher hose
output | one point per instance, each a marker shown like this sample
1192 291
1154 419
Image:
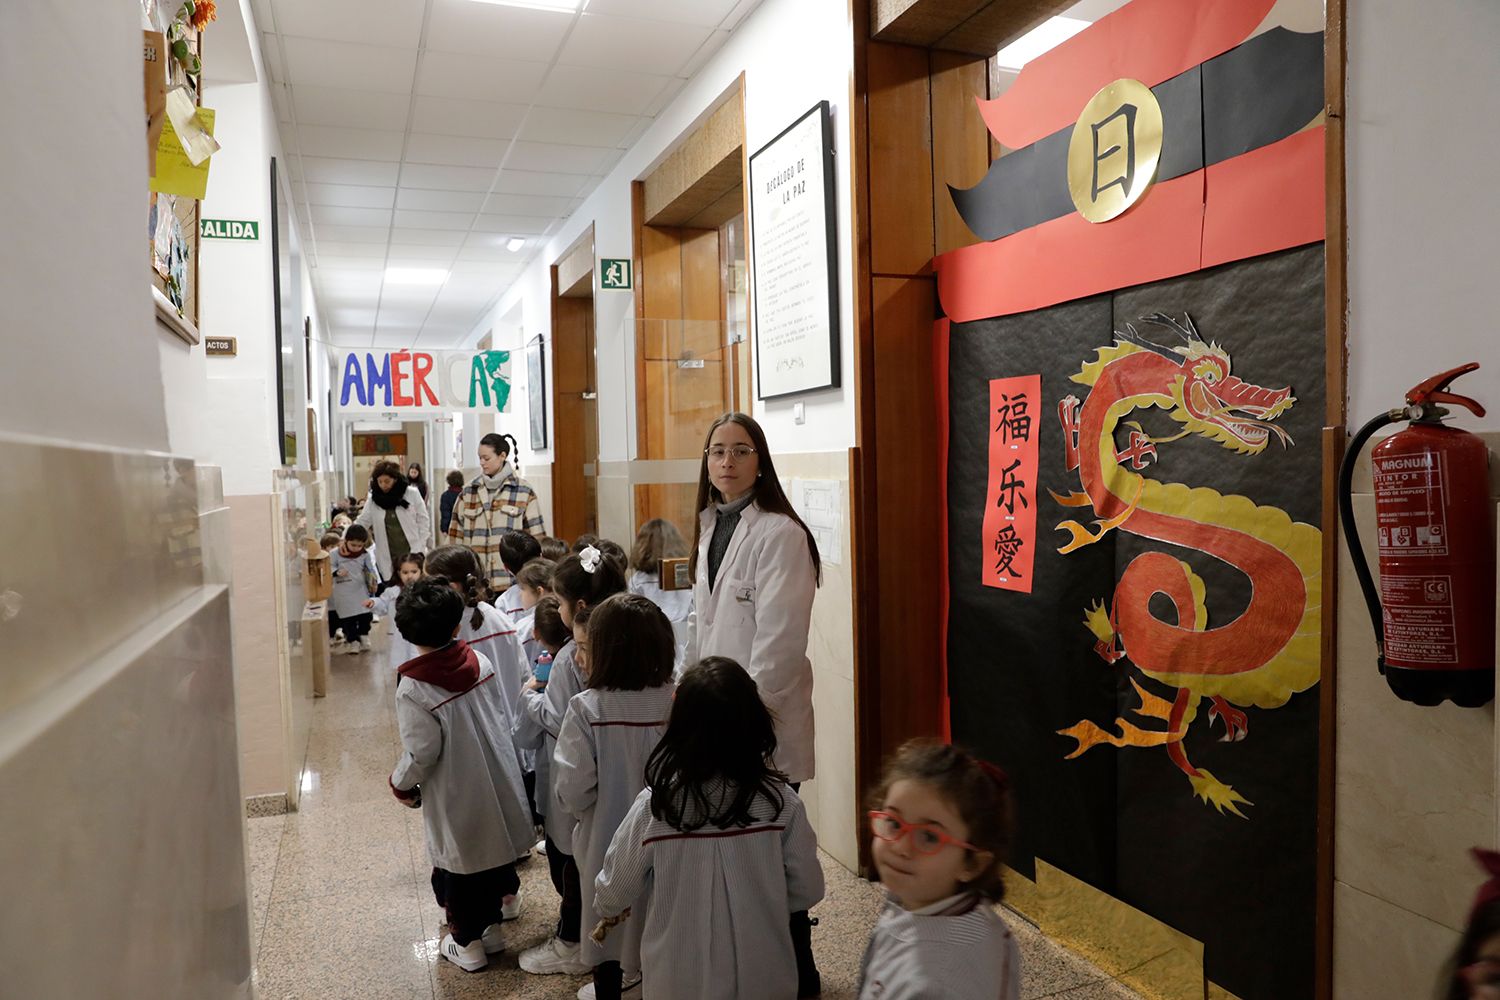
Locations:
1351 532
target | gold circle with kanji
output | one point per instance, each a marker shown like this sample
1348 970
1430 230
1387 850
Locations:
1114 151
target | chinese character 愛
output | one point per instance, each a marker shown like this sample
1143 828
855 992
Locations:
1007 545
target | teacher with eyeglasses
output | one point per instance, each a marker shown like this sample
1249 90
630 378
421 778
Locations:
755 572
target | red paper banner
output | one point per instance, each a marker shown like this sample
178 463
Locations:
1010 512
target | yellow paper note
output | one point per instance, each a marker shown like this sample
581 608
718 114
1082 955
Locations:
175 173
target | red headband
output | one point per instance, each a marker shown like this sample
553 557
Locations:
1489 892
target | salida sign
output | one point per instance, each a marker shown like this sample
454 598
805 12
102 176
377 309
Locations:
425 381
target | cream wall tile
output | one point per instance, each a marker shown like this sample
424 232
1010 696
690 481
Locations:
1381 950
833 799
616 509
1416 786
257 658
540 478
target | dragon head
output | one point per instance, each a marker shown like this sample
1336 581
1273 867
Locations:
1209 400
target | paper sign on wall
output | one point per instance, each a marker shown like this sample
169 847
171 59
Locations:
425 381
1009 536
175 173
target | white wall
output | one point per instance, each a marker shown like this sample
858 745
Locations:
1423 203
81 359
223 410
794 54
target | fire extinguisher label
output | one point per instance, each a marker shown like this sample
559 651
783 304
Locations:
1411 520
1419 621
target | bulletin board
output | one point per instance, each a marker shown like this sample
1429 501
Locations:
172 233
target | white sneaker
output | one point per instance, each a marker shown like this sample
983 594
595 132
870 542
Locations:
510 906
493 945
469 957
351 648
554 957
630 989
541 847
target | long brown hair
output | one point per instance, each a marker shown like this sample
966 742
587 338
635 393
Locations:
631 646
658 539
767 491
460 564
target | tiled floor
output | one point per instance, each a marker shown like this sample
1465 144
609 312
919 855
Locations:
342 908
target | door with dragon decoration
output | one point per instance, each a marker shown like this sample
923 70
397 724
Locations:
1135 399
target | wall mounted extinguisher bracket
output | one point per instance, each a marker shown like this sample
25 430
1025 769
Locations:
1433 614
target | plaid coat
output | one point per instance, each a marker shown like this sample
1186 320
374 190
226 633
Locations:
480 517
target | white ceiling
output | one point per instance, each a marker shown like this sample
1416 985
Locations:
428 133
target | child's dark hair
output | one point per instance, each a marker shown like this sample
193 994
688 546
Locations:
428 613
357 533
572 583
658 539
615 553
548 625
584 541
719 729
459 564
537 574
553 548
631 644
517 548
456 479
416 559
581 618
978 791
330 539
1484 924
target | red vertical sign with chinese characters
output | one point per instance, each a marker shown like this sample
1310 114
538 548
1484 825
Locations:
1009 540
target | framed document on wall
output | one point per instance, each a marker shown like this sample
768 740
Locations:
794 259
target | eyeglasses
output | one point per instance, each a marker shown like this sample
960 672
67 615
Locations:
1482 978
740 453
926 838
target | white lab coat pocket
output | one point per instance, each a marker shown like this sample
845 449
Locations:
737 601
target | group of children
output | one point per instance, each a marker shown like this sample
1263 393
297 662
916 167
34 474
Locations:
681 857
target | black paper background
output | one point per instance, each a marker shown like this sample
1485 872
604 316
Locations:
1022 666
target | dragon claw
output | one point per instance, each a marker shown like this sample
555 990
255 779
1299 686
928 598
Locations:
1236 722
1217 794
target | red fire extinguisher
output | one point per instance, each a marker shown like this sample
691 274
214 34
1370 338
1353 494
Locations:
1434 614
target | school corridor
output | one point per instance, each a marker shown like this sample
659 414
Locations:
342 907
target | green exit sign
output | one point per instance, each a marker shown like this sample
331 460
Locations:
614 273
228 229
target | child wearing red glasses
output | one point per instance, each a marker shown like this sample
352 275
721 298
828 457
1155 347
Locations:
1474 973
941 826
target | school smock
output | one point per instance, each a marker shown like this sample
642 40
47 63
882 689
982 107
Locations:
957 948
716 926
537 725
495 637
457 748
598 770
398 650
352 590
510 601
758 614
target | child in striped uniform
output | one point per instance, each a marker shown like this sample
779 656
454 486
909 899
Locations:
486 629
723 845
599 767
583 580
941 828
408 571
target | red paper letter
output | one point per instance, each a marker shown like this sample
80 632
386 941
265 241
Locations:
399 375
423 365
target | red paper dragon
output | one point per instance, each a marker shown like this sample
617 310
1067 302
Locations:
1271 650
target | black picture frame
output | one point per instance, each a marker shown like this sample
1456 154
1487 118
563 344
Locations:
824 110
536 392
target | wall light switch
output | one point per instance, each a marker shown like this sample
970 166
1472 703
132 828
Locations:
799 413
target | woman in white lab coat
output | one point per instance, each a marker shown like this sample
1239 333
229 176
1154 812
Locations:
755 572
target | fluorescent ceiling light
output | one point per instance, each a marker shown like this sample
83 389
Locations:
416 275
514 243
1044 37
561 6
